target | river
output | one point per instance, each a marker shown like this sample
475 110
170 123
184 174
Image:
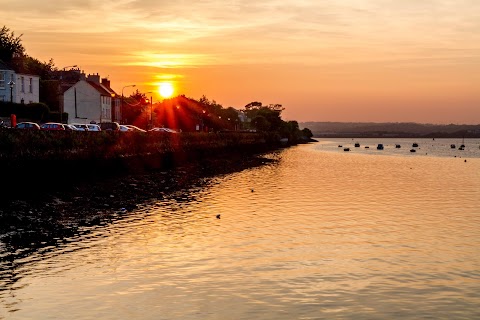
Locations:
319 234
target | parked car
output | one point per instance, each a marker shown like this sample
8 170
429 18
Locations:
27 125
115 126
135 128
167 130
124 128
70 127
80 126
93 127
52 126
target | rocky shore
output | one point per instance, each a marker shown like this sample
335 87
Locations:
40 214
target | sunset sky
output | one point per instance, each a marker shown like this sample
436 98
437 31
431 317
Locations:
343 60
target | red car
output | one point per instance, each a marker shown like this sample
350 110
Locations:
52 126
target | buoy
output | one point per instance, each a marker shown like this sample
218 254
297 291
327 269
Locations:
253 190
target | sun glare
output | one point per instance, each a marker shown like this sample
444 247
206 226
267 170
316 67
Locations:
165 89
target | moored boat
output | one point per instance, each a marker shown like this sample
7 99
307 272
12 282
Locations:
380 146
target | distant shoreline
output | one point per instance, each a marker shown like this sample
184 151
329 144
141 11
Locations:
397 136
390 130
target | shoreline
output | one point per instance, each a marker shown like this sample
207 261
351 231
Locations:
56 212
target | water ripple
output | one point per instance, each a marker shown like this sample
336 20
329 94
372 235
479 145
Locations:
319 234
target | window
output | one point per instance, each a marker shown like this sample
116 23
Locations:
30 86
2 79
22 82
2 98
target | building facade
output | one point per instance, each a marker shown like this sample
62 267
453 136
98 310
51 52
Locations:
18 87
87 102
27 88
7 76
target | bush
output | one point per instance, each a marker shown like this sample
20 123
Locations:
6 108
37 111
56 117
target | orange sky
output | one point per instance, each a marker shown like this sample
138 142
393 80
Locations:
344 60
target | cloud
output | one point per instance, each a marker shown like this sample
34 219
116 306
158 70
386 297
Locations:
210 32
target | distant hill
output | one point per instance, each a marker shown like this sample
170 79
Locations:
390 129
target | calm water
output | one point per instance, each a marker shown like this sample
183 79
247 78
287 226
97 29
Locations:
324 234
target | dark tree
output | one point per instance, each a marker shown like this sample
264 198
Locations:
254 104
307 133
10 45
261 123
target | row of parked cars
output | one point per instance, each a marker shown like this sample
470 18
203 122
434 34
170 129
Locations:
103 126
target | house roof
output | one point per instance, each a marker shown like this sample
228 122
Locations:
100 88
64 86
110 90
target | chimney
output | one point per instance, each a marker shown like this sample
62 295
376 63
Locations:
106 82
94 78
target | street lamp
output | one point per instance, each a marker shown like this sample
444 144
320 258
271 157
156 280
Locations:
63 70
74 66
11 84
13 117
151 109
121 105
61 107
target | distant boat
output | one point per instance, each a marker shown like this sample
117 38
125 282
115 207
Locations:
367 147
452 146
346 149
414 145
380 146
397 146
413 150
340 146
462 146
357 145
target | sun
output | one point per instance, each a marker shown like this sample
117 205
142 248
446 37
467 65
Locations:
165 89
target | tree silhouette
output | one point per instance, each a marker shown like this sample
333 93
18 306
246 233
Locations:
10 44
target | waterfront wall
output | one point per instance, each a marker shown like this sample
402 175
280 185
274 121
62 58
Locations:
46 156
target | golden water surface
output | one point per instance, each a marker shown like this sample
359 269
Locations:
320 234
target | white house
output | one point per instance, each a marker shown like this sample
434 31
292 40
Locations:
27 88
7 75
87 101
116 101
17 87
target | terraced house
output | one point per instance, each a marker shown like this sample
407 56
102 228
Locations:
18 87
